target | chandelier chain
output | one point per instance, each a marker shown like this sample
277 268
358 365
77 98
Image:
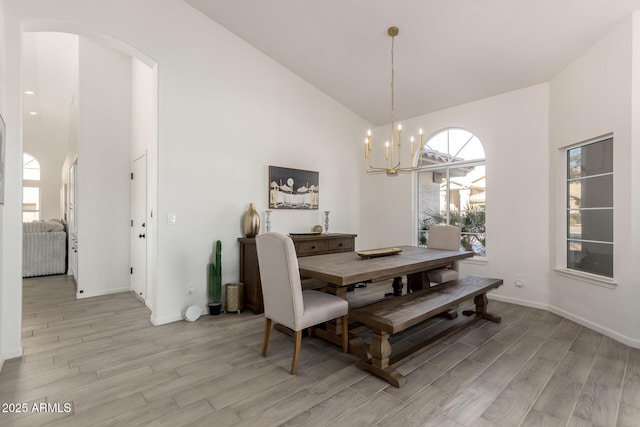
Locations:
393 75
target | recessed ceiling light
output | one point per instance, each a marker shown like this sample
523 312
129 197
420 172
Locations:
29 92
33 113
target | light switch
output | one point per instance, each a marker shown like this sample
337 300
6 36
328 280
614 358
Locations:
171 219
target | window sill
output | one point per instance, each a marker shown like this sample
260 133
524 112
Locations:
592 279
478 260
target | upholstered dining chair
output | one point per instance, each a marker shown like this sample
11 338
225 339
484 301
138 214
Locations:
284 300
444 237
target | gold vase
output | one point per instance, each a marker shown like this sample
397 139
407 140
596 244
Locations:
251 222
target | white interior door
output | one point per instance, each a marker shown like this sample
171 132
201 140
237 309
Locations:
139 227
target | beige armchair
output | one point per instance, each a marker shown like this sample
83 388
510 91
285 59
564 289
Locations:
284 300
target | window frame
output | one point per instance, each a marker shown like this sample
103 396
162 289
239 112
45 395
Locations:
563 211
446 167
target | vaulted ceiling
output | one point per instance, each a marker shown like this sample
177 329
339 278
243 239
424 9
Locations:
448 52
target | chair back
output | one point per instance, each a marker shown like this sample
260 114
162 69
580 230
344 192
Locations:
443 236
280 277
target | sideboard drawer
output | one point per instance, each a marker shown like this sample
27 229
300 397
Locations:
340 245
312 248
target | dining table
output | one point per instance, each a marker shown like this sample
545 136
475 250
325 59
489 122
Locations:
341 270
347 268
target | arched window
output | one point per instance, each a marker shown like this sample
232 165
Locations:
452 187
30 188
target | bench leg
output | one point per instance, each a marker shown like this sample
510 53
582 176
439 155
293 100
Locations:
481 303
378 364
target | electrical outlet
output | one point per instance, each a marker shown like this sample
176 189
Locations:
519 280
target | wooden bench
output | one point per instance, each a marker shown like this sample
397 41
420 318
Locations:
396 314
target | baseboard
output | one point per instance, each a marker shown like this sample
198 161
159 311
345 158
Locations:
101 293
518 301
156 321
10 355
631 342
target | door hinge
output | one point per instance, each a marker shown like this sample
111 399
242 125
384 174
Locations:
131 270
132 223
131 175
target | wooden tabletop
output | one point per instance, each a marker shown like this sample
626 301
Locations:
347 268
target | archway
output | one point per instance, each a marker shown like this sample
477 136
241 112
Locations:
142 61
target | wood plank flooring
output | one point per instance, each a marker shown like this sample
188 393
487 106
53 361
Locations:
103 358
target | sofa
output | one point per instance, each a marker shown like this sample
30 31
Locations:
44 248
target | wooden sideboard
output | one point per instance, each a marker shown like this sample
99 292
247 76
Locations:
306 245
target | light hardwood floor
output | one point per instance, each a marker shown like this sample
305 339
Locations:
103 357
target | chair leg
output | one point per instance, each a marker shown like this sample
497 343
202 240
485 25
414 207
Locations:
267 331
297 342
344 320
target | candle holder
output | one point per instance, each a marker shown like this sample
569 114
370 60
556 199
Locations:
326 221
267 220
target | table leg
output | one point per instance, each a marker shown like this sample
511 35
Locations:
415 281
334 326
397 286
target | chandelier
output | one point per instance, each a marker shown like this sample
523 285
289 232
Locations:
392 146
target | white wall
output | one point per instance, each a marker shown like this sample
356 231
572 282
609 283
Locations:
144 138
11 273
235 114
3 298
513 128
73 129
104 144
634 160
592 97
225 113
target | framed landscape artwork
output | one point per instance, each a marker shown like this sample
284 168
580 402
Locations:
293 188
2 149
